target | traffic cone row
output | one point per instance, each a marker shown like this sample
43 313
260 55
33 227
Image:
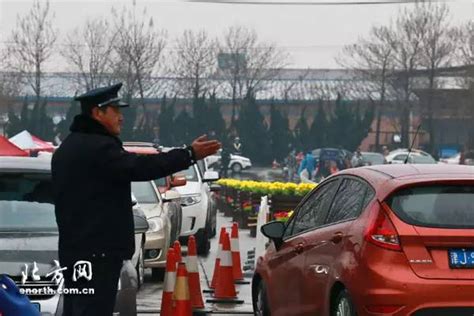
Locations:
182 293
169 284
193 275
225 287
235 249
226 269
218 259
181 298
182 287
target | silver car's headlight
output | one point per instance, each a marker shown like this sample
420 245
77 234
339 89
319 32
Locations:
156 224
187 200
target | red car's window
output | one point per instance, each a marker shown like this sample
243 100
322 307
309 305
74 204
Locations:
312 213
435 206
348 202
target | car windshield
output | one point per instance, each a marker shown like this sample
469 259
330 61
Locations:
190 174
144 192
26 203
435 206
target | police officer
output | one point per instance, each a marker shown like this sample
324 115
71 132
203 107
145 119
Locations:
92 176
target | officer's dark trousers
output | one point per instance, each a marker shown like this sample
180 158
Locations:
105 276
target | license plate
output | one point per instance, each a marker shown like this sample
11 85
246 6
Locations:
461 258
37 306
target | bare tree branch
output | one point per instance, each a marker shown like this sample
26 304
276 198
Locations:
139 52
32 44
90 51
246 62
195 62
406 38
372 59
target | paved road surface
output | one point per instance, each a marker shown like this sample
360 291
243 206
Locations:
149 296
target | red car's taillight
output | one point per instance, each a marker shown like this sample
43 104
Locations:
381 231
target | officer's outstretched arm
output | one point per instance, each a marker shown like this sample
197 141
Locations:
121 165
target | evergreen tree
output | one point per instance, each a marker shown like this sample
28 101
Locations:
65 124
319 129
129 118
253 131
14 125
34 120
215 121
279 134
45 124
182 128
198 124
143 132
25 115
349 126
301 133
165 121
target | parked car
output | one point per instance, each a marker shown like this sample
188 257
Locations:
468 159
165 225
29 234
212 189
372 158
415 156
454 160
199 210
380 240
162 206
335 154
237 162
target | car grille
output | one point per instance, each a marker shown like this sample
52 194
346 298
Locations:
38 285
445 311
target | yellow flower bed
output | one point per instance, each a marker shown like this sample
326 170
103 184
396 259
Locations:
283 188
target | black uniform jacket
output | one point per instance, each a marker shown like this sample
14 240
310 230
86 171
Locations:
91 175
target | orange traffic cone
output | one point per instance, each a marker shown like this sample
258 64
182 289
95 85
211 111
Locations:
177 251
168 286
235 249
225 288
181 299
193 275
218 259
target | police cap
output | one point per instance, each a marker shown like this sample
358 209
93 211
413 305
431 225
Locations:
101 97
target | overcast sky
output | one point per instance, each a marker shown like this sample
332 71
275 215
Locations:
313 35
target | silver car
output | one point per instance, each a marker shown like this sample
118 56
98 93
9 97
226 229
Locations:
29 235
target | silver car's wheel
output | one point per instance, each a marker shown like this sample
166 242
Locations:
343 305
140 269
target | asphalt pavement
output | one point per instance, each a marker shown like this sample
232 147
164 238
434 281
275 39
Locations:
149 296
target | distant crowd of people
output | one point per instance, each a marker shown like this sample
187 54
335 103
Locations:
306 166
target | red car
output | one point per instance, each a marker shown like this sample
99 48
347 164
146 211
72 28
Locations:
381 240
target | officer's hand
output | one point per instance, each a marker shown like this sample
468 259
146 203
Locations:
12 302
203 147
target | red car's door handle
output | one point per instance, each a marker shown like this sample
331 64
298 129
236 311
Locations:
299 248
337 238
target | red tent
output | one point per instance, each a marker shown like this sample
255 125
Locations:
42 145
31 143
9 149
